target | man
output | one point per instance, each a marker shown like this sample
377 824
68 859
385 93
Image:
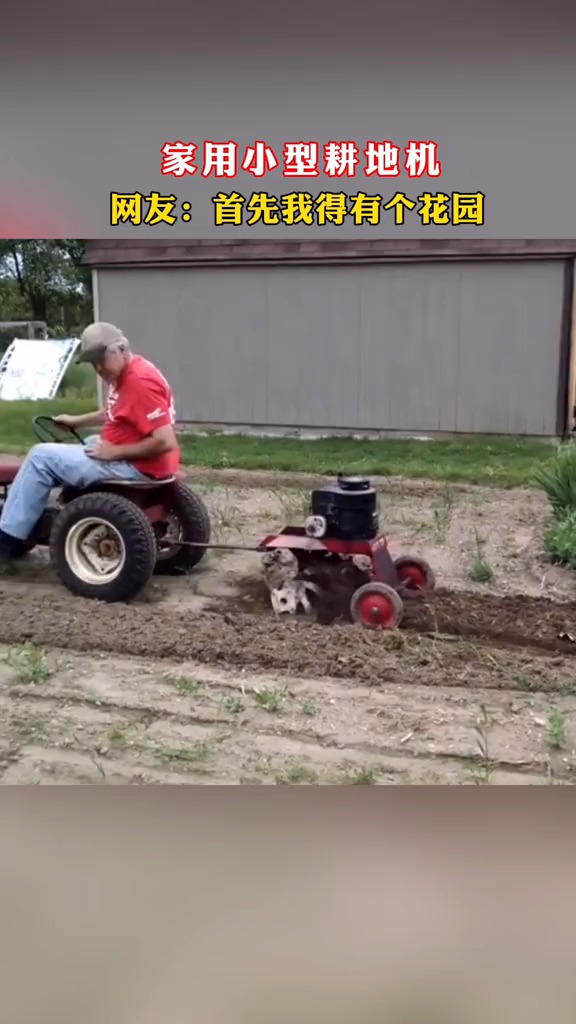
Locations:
138 439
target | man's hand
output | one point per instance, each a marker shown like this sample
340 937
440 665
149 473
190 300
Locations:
67 421
104 452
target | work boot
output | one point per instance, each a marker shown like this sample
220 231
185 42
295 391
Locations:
11 548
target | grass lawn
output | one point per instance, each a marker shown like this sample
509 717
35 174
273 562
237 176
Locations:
499 463
502 463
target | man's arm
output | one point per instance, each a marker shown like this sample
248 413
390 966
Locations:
89 419
160 441
150 411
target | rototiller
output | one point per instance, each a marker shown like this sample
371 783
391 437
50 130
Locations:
340 550
107 541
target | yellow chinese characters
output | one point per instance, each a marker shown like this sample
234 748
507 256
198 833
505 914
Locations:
303 208
129 209
337 208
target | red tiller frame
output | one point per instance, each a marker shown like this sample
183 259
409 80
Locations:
295 538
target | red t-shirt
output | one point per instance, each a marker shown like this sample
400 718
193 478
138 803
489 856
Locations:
139 403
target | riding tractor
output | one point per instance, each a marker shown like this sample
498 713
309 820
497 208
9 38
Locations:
107 541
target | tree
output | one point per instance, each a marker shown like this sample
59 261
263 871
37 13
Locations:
44 279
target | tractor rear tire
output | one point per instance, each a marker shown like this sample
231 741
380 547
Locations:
190 513
122 525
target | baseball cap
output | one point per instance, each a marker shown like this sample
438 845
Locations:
96 339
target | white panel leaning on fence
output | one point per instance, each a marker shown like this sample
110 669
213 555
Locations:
33 368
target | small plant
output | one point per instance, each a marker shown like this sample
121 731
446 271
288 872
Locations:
295 505
556 730
526 682
480 571
263 765
557 478
271 700
297 775
225 515
186 686
308 707
194 754
117 738
394 640
361 777
30 664
443 515
560 540
232 704
483 775
28 726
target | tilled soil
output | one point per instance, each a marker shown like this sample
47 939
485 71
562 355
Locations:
519 621
261 642
514 620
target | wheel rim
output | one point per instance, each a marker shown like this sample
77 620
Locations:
170 541
376 610
412 576
95 551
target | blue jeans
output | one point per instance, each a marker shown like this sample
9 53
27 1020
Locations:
52 465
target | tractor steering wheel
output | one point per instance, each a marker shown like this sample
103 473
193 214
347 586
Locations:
46 429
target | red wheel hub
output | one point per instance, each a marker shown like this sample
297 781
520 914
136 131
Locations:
376 610
413 576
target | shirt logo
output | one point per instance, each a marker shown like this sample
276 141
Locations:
112 399
156 415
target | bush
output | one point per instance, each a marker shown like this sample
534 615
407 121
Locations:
558 479
79 382
560 540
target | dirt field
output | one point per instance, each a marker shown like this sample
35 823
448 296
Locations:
197 682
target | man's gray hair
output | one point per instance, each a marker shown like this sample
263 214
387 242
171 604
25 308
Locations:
104 335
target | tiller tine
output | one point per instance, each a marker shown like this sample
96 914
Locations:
292 596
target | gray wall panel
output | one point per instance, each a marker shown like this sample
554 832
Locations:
415 347
313 346
510 347
409 347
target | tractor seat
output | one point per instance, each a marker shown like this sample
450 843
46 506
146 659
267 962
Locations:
8 470
141 485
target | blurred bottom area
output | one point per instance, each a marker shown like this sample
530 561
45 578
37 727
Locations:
257 908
